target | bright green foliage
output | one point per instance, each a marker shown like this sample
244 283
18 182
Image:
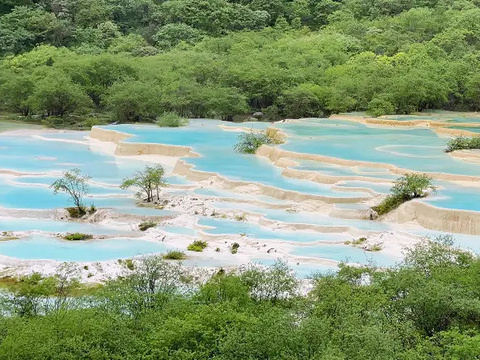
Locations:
171 35
249 142
149 181
411 186
427 307
56 95
75 185
406 188
170 119
378 107
463 143
133 101
78 237
197 246
175 255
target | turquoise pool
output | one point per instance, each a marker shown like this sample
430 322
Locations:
42 247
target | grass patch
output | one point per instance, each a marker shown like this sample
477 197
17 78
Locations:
197 246
175 255
170 119
463 143
375 248
144 226
241 217
77 237
390 203
359 241
76 212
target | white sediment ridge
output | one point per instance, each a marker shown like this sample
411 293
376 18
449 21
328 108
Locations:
190 206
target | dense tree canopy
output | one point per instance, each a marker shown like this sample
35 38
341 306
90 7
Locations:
426 308
287 58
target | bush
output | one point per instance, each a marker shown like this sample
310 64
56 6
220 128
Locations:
411 186
378 107
248 143
144 226
406 188
76 212
175 255
197 246
234 248
463 143
78 237
170 119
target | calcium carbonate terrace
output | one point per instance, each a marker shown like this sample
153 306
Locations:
312 227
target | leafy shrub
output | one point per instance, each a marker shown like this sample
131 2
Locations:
76 212
241 217
379 106
406 188
93 209
234 248
144 226
170 119
463 143
174 255
197 246
249 142
411 186
78 237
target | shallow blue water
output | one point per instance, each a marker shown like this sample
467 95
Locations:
42 247
218 155
415 149
26 224
472 129
306 217
347 254
453 196
232 227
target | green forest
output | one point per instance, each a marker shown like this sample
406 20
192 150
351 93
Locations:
428 307
85 62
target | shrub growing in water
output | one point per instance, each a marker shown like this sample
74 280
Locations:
249 142
463 143
144 226
170 119
406 188
77 237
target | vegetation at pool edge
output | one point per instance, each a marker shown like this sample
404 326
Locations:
408 187
197 246
424 308
463 143
78 237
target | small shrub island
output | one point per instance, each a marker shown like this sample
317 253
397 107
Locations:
463 143
249 142
406 188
